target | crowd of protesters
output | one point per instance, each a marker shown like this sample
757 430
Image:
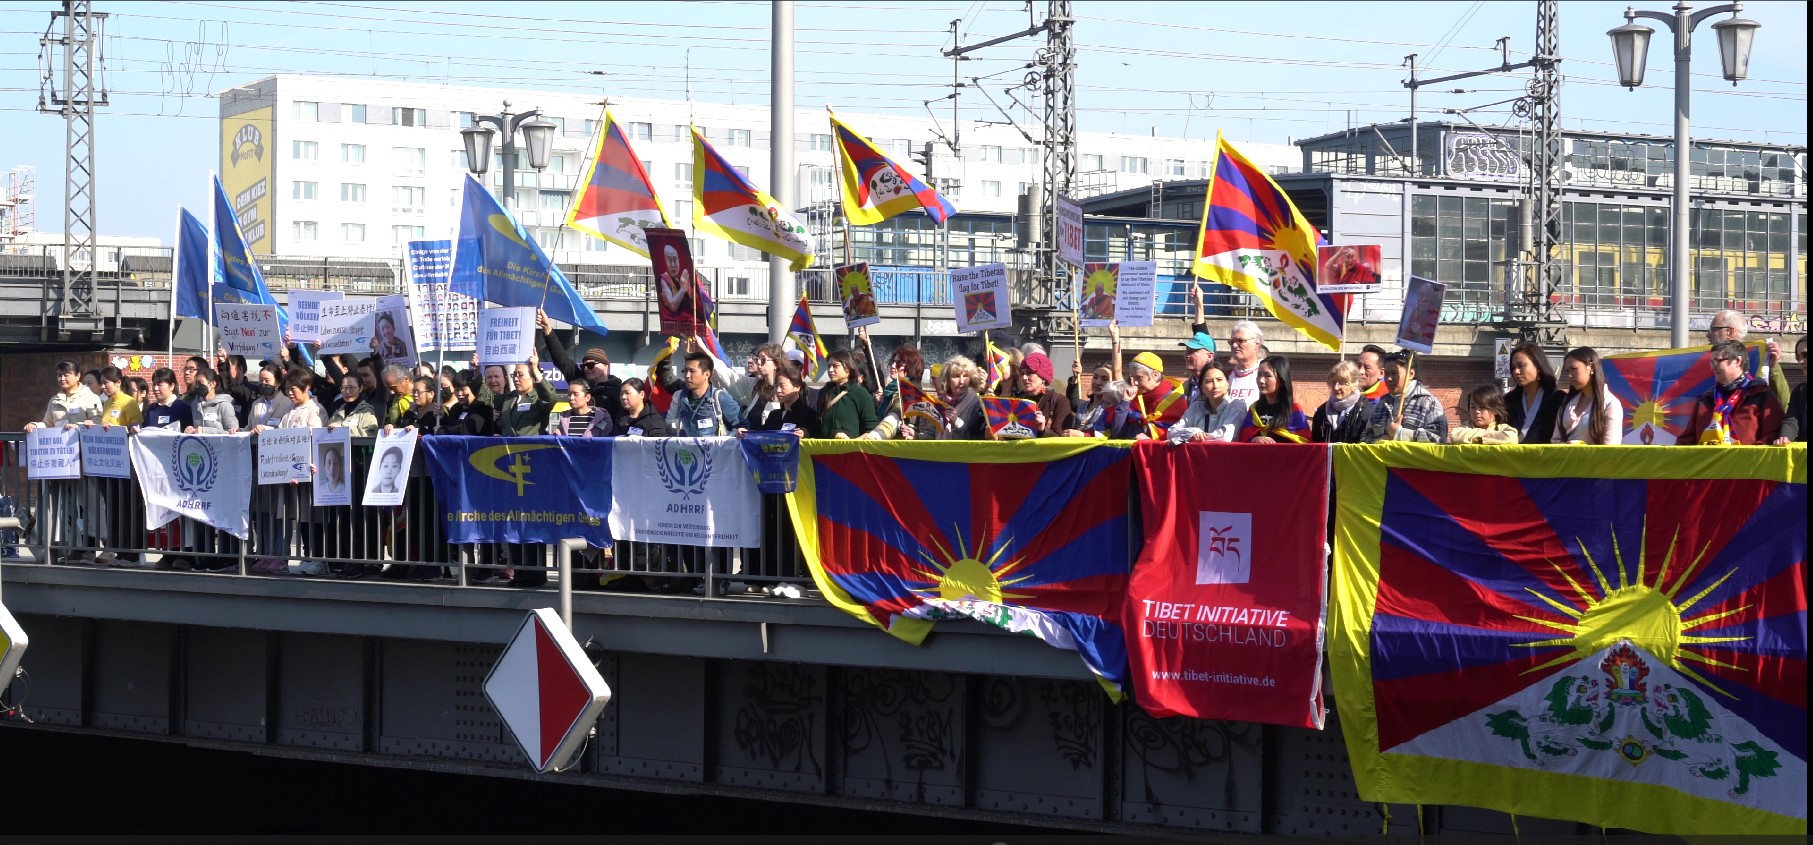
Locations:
1248 397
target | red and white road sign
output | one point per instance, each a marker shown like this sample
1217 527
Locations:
546 690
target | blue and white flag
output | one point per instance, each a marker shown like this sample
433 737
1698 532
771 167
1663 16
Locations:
193 266
236 275
510 267
693 491
206 477
521 489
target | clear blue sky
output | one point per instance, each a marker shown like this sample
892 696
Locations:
1264 71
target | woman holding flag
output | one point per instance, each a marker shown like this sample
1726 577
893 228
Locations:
1275 416
962 410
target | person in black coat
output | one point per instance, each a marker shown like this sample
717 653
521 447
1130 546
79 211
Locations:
1534 398
794 410
640 419
1343 418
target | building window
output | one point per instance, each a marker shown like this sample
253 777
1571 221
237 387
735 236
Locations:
409 161
352 233
739 137
990 189
682 211
304 230
991 154
308 112
1174 168
405 116
557 164
736 286
647 167
819 143
640 131
352 153
305 150
555 201
355 112
1025 187
405 199
738 252
403 234
352 192
902 149
1091 163
742 169
591 128
1133 164
466 119
683 175
302 190
698 247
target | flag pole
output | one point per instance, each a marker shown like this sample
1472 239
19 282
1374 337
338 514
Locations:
1410 366
176 277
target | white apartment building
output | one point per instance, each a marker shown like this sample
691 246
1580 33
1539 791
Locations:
328 166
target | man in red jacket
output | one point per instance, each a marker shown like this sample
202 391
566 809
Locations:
1739 410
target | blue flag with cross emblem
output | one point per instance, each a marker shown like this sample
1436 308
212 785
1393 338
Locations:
522 489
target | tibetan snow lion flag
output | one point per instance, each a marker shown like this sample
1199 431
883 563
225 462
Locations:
728 205
1254 239
1616 636
1658 389
616 200
876 187
1224 609
1010 418
1032 538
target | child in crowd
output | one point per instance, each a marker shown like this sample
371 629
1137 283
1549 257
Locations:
1487 420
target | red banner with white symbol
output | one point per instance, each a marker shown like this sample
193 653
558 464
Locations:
1225 606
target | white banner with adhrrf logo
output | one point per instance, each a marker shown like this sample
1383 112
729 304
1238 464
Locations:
206 477
694 491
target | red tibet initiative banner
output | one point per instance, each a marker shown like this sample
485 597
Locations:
1225 606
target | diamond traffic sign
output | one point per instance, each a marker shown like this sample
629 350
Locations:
12 646
546 690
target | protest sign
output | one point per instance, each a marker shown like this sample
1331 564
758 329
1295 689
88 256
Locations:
1348 268
332 470
506 335
391 458
53 452
1422 314
1070 231
104 452
284 455
345 325
390 325
1125 291
305 313
857 293
446 313
980 295
249 330
676 284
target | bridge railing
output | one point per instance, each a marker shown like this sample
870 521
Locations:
100 522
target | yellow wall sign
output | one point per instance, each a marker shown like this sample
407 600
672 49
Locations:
248 164
12 646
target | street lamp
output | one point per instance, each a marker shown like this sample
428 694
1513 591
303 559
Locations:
1630 50
536 131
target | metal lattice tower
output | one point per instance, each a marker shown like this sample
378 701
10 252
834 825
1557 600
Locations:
1057 63
71 85
1536 308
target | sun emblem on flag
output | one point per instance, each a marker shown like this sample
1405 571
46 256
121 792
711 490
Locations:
965 575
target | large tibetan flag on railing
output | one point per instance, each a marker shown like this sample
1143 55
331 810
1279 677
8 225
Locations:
494 252
1225 605
875 187
1030 537
1254 239
805 335
1658 389
616 200
728 205
1616 636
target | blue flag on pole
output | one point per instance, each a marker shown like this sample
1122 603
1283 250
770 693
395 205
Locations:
236 276
192 266
496 251
522 489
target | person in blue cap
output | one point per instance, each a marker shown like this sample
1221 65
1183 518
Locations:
1201 352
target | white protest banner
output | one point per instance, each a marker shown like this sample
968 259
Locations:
305 313
694 491
346 325
396 343
333 466
1070 231
1125 291
1422 314
980 295
446 313
1349 268
249 330
506 335
206 477
389 470
104 452
284 455
53 452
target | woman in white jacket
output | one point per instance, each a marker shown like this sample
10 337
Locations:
1214 416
